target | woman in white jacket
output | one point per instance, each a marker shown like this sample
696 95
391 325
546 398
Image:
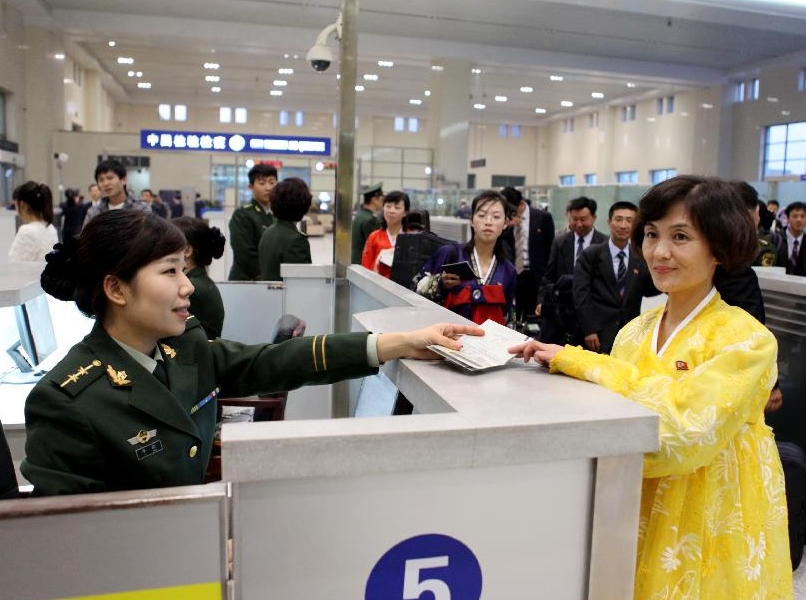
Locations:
37 235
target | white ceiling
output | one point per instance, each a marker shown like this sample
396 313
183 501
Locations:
597 46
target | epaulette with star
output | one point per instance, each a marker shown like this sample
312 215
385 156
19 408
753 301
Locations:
75 377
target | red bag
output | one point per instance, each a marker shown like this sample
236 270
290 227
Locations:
481 303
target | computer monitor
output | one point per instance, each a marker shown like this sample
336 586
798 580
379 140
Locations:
37 337
377 396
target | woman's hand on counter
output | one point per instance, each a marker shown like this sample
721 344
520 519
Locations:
542 353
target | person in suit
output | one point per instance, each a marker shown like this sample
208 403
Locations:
133 405
204 243
249 222
365 221
790 241
283 242
610 280
555 305
531 238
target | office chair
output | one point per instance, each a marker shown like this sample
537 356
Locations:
8 478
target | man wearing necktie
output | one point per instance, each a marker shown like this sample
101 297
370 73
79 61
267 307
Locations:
558 324
790 241
610 280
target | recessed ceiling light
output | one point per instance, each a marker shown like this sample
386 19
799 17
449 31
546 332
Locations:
475 71
276 93
785 113
60 56
427 93
437 68
68 80
130 73
527 89
500 98
370 77
359 88
630 84
212 78
540 111
125 60
279 83
415 101
286 55
112 43
707 106
144 85
386 63
566 103
651 119
479 106
138 74
285 71
772 99
597 95
556 78
215 89
211 65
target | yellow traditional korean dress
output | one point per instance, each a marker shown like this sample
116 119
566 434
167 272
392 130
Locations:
713 510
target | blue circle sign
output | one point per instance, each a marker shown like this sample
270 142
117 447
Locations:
426 567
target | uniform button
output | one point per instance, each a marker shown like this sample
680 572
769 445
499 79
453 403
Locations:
194 450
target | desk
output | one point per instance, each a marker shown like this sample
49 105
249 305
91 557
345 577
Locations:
19 282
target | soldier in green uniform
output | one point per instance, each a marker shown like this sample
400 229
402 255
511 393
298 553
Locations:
133 405
365 220
204 243
249 222
283 242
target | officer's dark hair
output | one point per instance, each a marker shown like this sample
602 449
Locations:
775 202
484 200
765 217
106 166
620 205
38 197
712 206
394 198
207 242
583 202
117 242
290 199
261 170
797 205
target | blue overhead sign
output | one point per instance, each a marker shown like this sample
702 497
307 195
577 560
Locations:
153 139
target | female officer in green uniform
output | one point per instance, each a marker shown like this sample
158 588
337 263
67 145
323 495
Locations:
204 244
133 405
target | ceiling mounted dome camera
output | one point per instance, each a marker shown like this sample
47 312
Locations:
320 55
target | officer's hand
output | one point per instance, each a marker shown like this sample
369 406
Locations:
537 309
414 344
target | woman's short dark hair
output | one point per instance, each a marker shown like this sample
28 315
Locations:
485 198
38 197
394 198
290 199
715 210
117 242
207 242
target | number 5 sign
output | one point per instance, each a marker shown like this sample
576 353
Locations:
426 567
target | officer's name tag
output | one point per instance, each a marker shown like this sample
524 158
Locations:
149 450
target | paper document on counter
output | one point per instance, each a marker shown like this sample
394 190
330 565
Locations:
483 352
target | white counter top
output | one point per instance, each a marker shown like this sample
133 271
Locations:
774 280
19 282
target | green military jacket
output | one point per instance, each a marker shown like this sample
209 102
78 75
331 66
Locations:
98 421
245 228
282 243
767 254
205 302
364 223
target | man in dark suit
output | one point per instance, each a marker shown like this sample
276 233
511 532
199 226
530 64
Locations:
530 247
555 305
790 241
610 280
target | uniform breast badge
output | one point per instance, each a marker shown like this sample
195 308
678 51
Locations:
168 351
118 378
142 436
73 377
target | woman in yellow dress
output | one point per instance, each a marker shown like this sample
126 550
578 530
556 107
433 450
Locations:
713 511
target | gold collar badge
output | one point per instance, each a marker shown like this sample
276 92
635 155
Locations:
118 378
168 351
142 437
73 377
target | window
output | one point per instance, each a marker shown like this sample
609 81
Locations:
628 113
299 118
284 118
414 124
400 124
240 115
180 112
802 80
659 175
3 130
225 114
503 130
515 131
752 89
164 111
568 125
739 92
659 106
593 120
785 150
567 179
669 104
590 178
627 176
